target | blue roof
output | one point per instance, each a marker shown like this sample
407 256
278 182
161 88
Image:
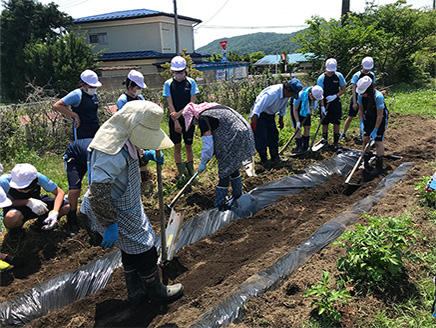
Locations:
126 14
204 66
144 54
291 59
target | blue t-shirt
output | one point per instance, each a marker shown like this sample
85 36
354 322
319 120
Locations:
180 92
379 100
320 80
74 98
309 106
125 98
43 181
356 77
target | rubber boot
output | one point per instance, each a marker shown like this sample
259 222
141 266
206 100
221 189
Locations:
299 143
73 226
156 291
305 142
325 138
181 168
135 291
366 159
336 140
274 152
220 197
236 187
378 166
190 168
263 157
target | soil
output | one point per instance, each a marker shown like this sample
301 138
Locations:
214 266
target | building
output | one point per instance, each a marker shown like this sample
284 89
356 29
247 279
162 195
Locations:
295 61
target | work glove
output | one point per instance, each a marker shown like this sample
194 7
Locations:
150 155
373 134
253 126
331 98
201 167
362 128
298 126
110 236
323 111
37 206
281 123
15 260
51 220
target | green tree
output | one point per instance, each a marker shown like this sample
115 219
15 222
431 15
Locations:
23 21
56 64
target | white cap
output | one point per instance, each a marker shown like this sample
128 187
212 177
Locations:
178 63
1 168
137 77
331 65
22 175
90 78
4 200
317 92
363 84
367 63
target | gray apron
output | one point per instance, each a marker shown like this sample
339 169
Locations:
135 233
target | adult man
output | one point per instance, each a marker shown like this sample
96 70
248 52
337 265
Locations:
271 101
180 91
114 204
334 86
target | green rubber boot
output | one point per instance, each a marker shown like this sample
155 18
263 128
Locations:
181 168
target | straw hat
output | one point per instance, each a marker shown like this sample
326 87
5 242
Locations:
139 122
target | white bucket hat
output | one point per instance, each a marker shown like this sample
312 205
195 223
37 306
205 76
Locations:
317 92
137 77
178 63
363 84
90 78
367 63
4 200
331 65
22 175
139 122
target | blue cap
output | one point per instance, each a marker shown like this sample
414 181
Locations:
295 85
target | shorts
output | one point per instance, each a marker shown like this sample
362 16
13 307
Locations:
369 124
308 121
28 213
188 136
75 173
334 113
351 111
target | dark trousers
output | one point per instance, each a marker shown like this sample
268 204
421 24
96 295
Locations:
266 134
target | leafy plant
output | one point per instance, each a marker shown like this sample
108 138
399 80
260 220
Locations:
327 298
375 252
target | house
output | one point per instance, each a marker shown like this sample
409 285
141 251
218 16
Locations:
144 40
297 60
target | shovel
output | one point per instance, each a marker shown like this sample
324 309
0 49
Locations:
161 208
292 138
314 147
347 181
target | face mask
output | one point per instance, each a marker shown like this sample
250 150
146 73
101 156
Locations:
179 76
136 93
91 91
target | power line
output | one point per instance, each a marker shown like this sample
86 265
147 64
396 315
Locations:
222 27
225 3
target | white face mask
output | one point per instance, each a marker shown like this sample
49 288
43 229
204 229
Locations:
136 93
91 91
179 76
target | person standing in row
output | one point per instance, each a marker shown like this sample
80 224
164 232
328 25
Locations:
134 85
367 65
334 86
84 106
180 91
227 136
114 206
303 108
271 101
373 116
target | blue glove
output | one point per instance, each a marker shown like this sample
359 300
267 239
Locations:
373 134
362 128
201 167
150 155
110 236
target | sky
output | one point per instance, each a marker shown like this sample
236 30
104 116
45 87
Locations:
227 18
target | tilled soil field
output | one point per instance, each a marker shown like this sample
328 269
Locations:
213 267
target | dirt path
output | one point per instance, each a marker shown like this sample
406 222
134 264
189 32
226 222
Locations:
214 266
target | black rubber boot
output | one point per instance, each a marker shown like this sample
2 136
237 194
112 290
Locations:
336 140
274 152
73 226
135 291
366 159
156 291
299 143
378 166
263 158
236 187
305 142
220 197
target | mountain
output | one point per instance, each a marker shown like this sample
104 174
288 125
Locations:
269 43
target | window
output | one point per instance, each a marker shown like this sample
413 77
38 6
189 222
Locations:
98 38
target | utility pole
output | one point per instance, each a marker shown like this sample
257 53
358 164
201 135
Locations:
176 27
345 11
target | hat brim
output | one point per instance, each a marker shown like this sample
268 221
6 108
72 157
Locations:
95 85
319 98
368 67
361 90
21 185
7 202
145 138
331 69
178 69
